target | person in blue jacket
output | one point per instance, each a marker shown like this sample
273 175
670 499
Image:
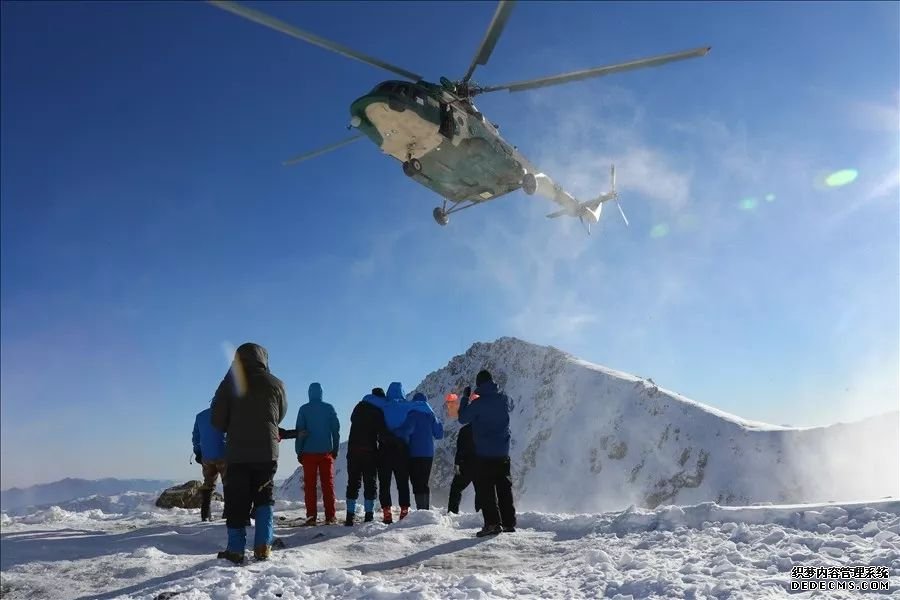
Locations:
317 449
489 417
209 450
393 454
420 429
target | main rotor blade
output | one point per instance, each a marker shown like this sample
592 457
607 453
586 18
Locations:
596 71
322 150
501 16
273 23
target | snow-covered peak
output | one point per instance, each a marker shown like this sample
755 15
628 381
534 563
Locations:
587 438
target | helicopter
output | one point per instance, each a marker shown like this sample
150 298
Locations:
441 138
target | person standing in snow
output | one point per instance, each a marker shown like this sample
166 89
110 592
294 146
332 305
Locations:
366 425
316 451
464 463
393 454
421 428
489 418
248 405
209 450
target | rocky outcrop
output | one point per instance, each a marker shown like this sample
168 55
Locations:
186 495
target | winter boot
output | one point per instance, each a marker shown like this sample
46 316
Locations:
205 499
404 510
234 557
488 530
262 552
509 529
265 529
388 517
369 506
351 512
237 541
422 501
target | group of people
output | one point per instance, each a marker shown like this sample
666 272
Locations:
390 437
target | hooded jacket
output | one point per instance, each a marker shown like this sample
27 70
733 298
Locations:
421 428
489 417
366 426
248 405
208 441
320 422
395 409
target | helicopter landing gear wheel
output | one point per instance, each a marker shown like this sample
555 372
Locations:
529 184
412 167
440 216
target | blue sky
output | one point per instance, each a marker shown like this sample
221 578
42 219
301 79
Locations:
147 222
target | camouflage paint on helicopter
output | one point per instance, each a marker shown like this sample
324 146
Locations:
443 142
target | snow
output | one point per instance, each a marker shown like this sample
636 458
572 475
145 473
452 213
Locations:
624 490
693 551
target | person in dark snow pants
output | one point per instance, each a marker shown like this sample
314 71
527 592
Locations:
393 458
248 405
464 464
366 425
489 417
420 429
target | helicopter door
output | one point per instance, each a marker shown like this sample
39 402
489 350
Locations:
446 128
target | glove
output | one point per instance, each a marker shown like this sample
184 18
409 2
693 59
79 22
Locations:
199 458
334 454
287 434
467 392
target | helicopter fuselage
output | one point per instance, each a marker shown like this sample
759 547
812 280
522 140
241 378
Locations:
443 141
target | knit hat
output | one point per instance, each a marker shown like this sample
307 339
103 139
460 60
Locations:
484 376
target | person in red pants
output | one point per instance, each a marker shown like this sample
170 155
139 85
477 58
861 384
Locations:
316 451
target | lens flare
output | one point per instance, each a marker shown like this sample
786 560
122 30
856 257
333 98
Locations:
660 230
749 203
842 177
770 197
239 378
236 370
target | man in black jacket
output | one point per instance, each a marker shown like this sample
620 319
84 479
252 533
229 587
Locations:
248 406
465 469
366 426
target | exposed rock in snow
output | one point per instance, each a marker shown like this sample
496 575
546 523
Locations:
186 495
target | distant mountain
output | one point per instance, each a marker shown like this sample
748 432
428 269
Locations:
586 438
72 489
